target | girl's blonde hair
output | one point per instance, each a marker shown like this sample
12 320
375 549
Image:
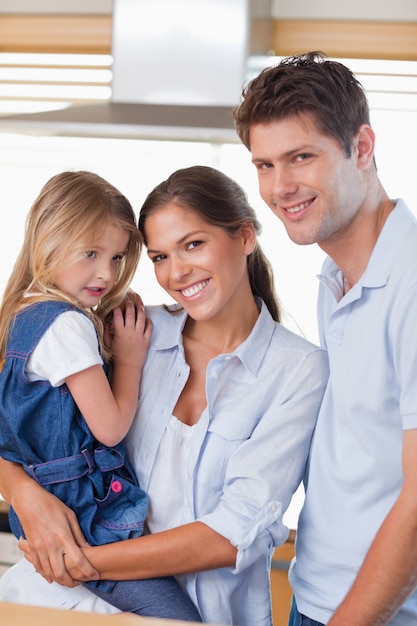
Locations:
71 209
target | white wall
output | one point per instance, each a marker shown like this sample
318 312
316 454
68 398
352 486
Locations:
385 10
56 6
375 10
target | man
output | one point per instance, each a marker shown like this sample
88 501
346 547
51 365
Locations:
306 124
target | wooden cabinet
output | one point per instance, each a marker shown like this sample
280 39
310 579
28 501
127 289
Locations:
280 587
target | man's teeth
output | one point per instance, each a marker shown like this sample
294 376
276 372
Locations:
300 207
191 291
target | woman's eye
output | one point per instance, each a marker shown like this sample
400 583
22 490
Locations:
158 258
90 254
193 244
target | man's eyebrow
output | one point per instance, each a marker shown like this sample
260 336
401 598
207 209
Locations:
285 155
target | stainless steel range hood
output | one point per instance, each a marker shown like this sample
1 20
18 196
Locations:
178 71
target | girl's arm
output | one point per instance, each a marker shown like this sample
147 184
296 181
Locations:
109 411
51 535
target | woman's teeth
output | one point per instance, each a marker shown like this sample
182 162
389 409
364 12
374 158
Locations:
191 291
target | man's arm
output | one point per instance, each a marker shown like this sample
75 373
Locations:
389 572
50 527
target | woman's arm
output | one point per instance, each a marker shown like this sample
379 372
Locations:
109 411
48 535
193 547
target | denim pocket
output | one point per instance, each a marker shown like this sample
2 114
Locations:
121 513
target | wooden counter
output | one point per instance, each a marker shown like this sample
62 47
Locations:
22 615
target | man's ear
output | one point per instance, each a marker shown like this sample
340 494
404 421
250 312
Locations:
364 144
248 235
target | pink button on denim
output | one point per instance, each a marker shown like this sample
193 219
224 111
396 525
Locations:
116 486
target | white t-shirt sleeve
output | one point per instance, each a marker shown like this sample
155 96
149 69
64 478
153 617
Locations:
69 346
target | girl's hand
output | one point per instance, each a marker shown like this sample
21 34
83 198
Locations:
131 332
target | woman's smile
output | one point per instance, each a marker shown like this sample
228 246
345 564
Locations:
193 290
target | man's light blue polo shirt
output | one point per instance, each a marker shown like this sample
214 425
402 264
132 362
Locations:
355 472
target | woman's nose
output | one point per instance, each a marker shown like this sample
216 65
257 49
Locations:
179 268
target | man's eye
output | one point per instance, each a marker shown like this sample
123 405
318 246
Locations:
263 166
303 156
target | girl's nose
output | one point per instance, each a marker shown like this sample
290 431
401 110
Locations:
105 272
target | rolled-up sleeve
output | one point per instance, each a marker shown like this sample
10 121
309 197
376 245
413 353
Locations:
259 449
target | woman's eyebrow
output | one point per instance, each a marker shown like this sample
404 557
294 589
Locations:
181 240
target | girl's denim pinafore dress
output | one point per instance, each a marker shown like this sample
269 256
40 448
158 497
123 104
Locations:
42 429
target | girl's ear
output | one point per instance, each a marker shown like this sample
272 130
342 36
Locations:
248 235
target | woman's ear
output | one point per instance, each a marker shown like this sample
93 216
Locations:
248 235
364 144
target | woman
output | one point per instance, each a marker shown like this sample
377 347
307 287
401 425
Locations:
228 404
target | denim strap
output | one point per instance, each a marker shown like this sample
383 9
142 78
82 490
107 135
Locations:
76 466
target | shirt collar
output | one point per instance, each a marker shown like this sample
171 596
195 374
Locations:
384 253
251 352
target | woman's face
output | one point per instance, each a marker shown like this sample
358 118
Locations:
201 266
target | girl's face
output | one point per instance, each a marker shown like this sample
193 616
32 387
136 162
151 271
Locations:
201 266
93 274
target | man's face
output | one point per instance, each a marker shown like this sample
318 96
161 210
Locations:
306 179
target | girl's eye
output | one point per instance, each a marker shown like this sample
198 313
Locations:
193 244
117 258
90 254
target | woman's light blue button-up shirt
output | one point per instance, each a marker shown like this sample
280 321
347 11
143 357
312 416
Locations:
249 452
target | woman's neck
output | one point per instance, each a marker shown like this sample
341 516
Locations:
224 333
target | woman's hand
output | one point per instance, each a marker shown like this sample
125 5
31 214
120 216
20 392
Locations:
51 531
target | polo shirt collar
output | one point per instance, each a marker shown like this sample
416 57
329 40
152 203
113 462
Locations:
388 245
383 255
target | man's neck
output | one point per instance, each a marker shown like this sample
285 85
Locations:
351 252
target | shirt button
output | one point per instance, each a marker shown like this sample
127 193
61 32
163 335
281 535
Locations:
116 486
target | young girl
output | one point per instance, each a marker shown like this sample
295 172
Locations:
60 418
